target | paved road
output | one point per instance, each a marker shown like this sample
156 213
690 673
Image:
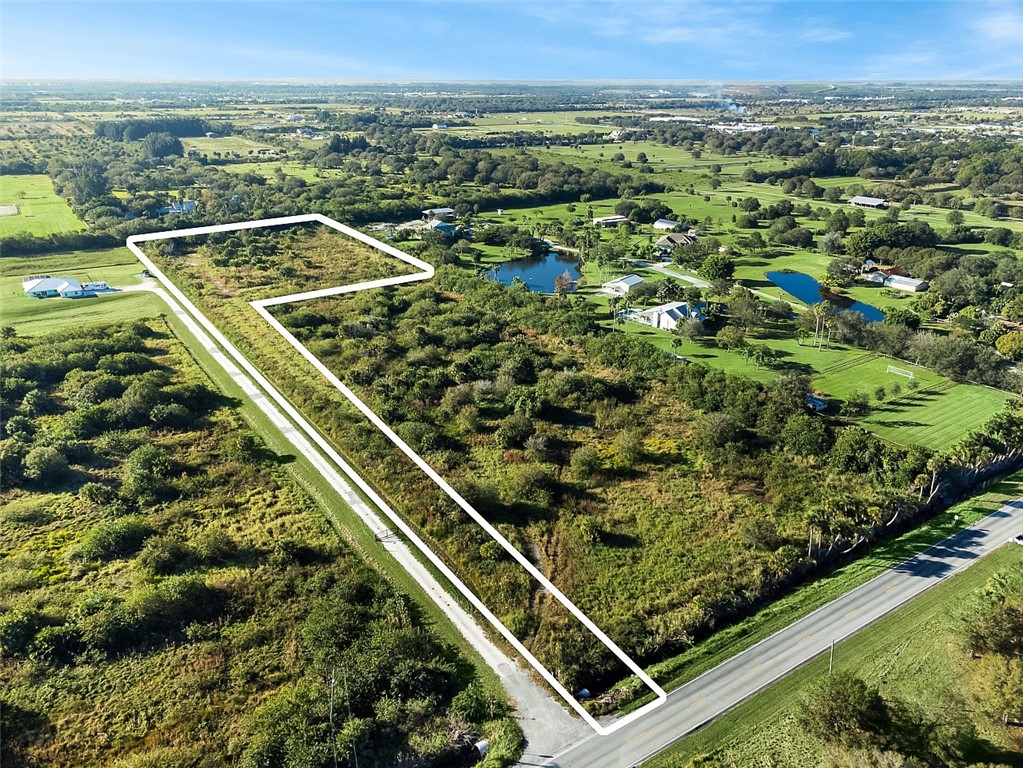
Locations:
547 725
732 682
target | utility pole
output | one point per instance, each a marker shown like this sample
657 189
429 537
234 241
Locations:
831 662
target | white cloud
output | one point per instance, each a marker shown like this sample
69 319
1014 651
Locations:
823 34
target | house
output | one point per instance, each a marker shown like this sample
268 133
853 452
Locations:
440 126
899 282
667 224
666 317
441 214
622 285
817 404
182 206
45 286
441 226
609 221
667 243
868 202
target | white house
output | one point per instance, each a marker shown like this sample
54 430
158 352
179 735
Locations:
609 221
668 242
622 285
899 282
666 317
667 224
45 286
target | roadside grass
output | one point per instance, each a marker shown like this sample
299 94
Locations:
727 642
41 212
32 316
913 654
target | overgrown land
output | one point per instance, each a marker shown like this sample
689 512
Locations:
170 597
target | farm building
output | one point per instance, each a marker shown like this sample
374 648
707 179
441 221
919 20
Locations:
45 286
622 285
666 317
899 282
868 202
609 221
667 224
441 214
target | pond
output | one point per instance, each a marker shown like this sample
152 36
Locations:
538 274
808 291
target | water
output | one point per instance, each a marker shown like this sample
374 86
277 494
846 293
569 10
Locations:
808 291
538 274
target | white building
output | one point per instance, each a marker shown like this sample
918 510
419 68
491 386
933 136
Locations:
868 202
45 286
899 282
622 285
667 224
609 221
666 317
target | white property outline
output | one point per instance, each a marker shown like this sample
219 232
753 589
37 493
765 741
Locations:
426 273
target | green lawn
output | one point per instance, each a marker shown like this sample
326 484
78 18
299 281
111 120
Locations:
116 266
913 654
290 167
40 211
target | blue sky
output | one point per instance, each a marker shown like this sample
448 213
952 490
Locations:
708 40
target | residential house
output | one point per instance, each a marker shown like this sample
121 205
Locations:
45 286
622 285
441 226
666 244
666 317
177 207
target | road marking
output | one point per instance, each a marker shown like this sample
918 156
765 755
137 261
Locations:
891 589
638 735
803 639
754 668
847 614
697 701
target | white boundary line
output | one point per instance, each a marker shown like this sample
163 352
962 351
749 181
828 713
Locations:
426 273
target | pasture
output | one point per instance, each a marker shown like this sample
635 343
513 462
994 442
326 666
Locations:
40 211
224 145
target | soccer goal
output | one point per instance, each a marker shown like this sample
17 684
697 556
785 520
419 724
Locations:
901 372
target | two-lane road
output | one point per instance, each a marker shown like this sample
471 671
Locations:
735 680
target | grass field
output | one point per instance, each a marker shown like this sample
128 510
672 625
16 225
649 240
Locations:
290 167
923 668
30 316
224 145
40 211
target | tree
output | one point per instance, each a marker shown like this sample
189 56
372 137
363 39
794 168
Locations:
156 145
955 218
730 337
717 266
846 711
145 471
998 687
1011 345
831 244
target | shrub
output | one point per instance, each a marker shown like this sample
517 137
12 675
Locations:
213 545
17 631
585 463
514 430
145 471
109 539
163 555
45 465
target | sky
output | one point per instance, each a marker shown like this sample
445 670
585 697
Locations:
394 40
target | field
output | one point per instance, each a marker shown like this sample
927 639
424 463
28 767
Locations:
925 668
40 211
116 266
224 145
290 168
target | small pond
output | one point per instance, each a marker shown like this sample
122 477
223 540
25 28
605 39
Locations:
538 274
808 291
